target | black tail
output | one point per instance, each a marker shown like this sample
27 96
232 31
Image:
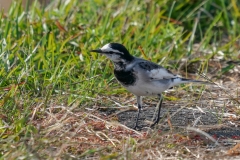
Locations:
185 80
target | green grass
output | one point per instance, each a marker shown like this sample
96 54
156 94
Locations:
45 59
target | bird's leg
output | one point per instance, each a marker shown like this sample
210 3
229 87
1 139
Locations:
139 104
159 105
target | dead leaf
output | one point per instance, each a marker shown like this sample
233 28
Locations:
235 150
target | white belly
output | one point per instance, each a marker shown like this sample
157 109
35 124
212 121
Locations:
151 88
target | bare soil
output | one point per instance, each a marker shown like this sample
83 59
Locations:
215 110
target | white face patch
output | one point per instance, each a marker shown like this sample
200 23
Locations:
107 48
114 57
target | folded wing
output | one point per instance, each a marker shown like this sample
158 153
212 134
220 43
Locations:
156 72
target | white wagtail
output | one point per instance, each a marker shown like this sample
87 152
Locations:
141 77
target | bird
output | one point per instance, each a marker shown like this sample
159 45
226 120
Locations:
141 77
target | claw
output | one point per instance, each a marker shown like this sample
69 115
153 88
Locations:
155 122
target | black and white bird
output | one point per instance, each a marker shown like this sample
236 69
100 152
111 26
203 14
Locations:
141 77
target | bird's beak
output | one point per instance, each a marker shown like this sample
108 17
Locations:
97 50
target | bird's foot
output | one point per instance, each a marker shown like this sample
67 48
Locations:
155 122
136 127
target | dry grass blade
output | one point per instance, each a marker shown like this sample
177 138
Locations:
204 134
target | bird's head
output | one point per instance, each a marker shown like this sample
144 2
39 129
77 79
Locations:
115 52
